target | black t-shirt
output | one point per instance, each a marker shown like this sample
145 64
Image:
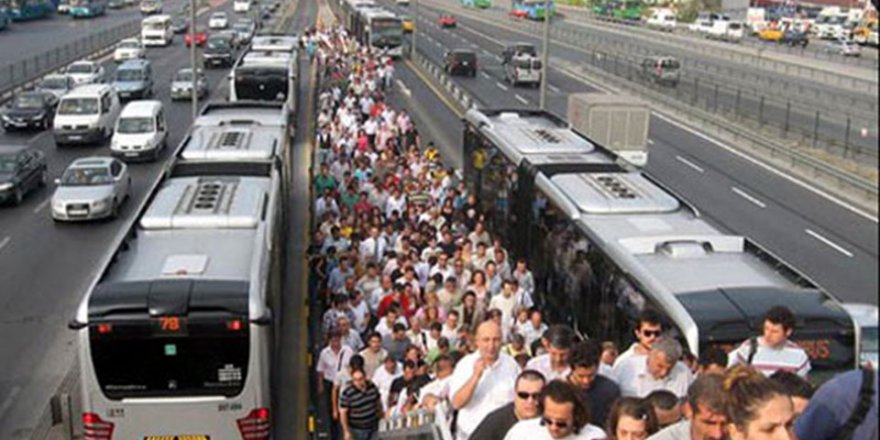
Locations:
599 397
496 424
400 385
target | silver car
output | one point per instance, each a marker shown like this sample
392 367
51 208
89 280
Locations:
181 84
57 85
86 72
91 188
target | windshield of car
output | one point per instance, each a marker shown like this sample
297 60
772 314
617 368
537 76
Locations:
185 75
54 83
28 101
7 163
243 27
80 68
134 125
84 176
218 43
669 64
78 106
220 16
129 45
129 75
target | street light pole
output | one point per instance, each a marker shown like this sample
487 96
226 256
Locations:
192 59
415 19
545 57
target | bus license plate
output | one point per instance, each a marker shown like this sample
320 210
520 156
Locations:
75 137
177 437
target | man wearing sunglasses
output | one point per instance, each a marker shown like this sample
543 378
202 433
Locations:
648 330
564 417
526 405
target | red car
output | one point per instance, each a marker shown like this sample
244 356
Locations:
201 38
519 13
447 21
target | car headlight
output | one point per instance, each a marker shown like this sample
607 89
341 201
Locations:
101 204
6 117
5 186
38 117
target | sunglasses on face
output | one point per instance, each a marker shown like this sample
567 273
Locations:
526 396
652 333
549 422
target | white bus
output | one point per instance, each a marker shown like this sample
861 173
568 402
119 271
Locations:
175 335
265 75
382 30
156 30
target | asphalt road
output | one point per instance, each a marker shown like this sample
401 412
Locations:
46 267
834 246
835 104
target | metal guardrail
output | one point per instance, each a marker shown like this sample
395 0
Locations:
25 73
421 424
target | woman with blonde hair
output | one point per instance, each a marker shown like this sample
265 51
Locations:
756 407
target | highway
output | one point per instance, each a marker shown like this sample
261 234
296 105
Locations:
703 71
48 266
834 246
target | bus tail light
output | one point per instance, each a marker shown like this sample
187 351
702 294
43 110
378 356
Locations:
95 428
256 426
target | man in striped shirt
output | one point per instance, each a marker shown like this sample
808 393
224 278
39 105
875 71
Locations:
361 408
773 351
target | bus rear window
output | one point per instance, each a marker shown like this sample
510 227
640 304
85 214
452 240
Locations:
170 358
261 84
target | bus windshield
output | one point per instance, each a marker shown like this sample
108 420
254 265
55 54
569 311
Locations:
169 357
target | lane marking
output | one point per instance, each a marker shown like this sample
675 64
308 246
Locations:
42 205
38 136
501 86
555 89
403 87
3 244
485 75
748 197
487 53
690 164
650 141
7 403
521 99
830 243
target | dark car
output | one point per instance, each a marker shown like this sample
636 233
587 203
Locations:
22 169
794 38
34 109
460 62
219 51
179 24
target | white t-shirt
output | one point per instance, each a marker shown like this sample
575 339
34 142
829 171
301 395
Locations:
768 360
635 381
383 379
531 429
542 364
494 390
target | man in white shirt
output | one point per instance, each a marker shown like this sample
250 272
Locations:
361 312
564 417
483 381
773 351
451 327
637 376
442 267
373 247
384 377
333 359
507 303
647 331
555 363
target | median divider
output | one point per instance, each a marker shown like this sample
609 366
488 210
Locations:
459 99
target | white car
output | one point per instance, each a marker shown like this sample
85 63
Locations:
128 49
241 5
85 72
844 48
218 20
91 188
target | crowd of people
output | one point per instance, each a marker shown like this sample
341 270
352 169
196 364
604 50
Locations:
427 311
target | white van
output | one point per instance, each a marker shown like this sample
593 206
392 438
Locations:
156 30
662 19
86 114
241 5
141 131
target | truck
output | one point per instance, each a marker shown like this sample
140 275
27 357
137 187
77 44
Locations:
617 122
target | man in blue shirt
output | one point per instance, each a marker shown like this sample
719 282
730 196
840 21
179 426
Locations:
833 405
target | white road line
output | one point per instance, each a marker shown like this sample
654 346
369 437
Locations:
42 205
475 45
499 59
485 75
35 137
692 165
748 197
522 100
487 53
438 43
4 242
10 398
830 243
553 88
501 86
650 142
406 91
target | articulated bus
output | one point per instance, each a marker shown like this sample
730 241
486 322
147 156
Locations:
605 241
20 10
351 9
479 4
532 9
87 8
176 334
382 30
